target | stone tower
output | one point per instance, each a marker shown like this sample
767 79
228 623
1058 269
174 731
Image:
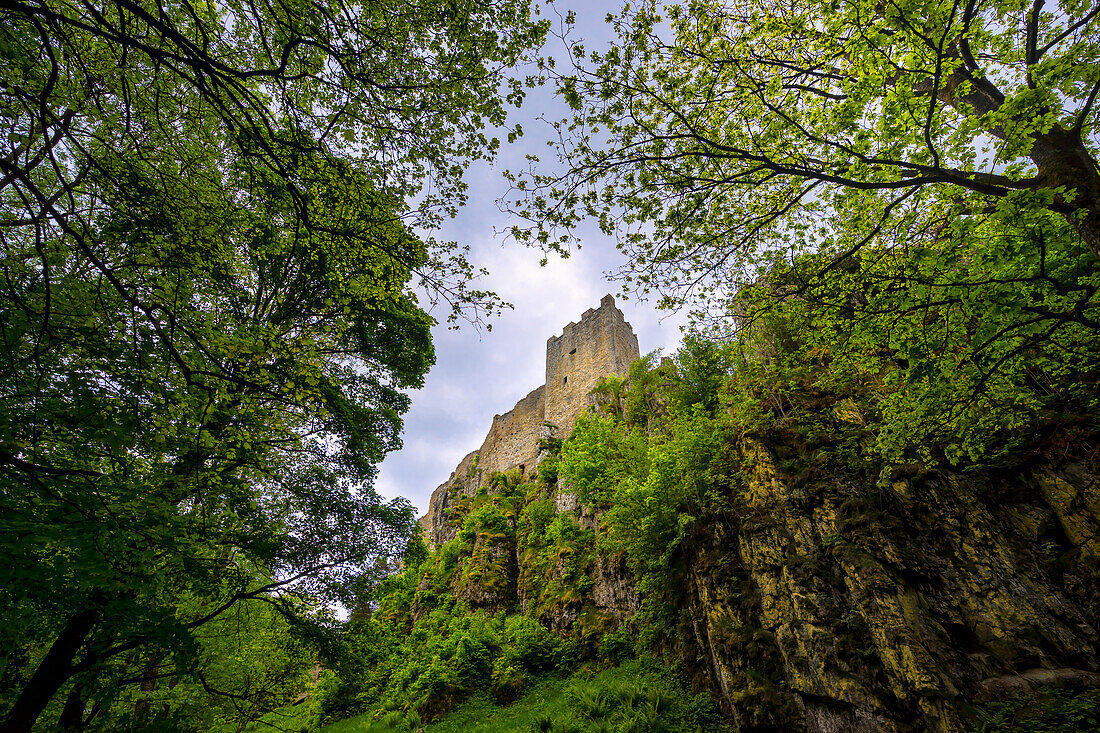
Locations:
603 343
600 344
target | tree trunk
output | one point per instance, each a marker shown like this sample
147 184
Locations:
53 671
148 683
1063 160
72 715
1059 154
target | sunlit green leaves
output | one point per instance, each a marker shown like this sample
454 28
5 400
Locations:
739 134
208 310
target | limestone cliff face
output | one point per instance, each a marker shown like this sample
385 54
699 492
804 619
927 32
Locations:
600 345
821 611
529 547
831 605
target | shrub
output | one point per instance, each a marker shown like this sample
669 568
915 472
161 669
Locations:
530 644
617 646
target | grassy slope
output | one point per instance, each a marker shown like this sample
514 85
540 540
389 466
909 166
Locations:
478 715
554 701
630 697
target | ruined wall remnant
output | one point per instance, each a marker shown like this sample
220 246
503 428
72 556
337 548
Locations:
600 344
513 438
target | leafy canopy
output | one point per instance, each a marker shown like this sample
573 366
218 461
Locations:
717 137
208 312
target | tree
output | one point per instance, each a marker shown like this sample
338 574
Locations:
760 131
207 312
975 350
249 661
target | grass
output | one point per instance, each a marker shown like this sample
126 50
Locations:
477 715
1057 711
625 699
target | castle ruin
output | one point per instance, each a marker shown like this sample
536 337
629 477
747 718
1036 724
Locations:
600 344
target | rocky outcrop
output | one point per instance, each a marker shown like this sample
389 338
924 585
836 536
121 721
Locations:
825 601
839 607
434 522
613 590
487 577
527 547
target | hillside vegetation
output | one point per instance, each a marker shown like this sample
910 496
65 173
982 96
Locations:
863 496
848 515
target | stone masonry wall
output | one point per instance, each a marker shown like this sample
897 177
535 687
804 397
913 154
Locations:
513 440
434 522
601 344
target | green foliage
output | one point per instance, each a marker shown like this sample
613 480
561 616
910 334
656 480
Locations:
1058 711
702 367
487 519
651 514
357 668
548 467
736 136
617 646
248 661
557 564
432 650
225 457
599 453
445 656
651 479
634 697
609 394
548 471
416 551
532 645
456 652
528 648
537 517
638 697
425 650
208 315
857 204
291 719
642 404
960 353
